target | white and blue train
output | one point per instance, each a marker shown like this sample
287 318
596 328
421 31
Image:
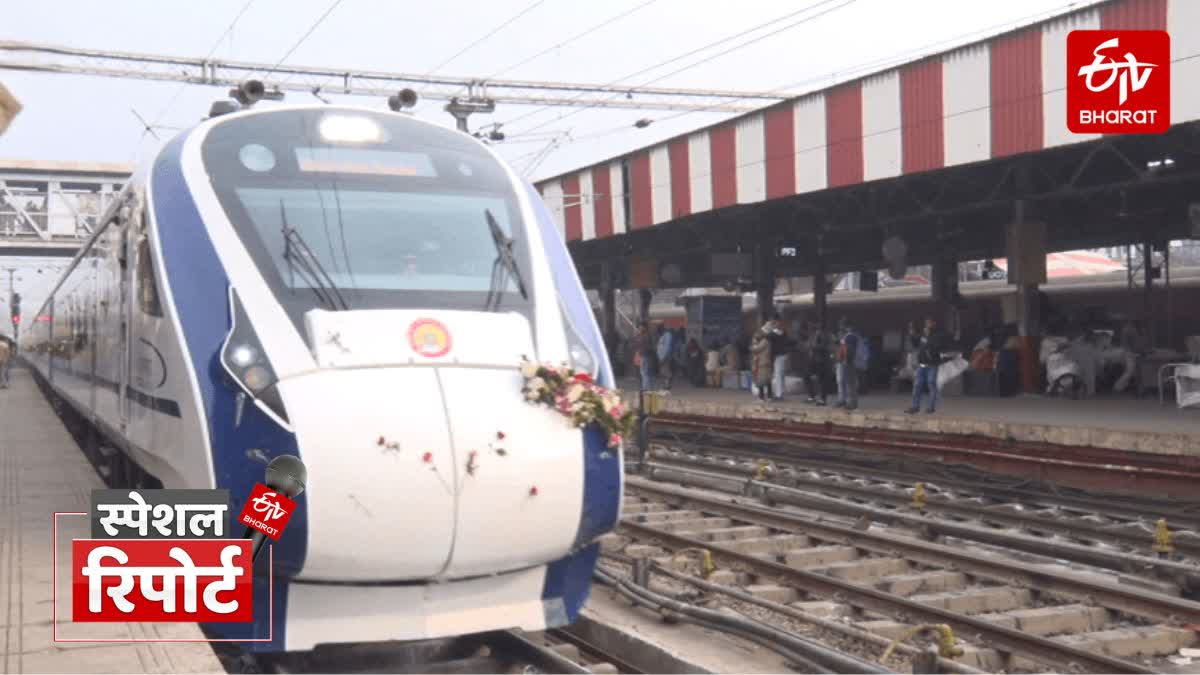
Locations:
357 288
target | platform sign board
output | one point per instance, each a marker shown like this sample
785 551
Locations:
643 273
731 265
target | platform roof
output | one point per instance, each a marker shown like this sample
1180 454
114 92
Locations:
992 99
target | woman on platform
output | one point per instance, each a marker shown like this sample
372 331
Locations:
762 364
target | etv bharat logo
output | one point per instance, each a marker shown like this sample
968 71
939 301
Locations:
1118 82
267 511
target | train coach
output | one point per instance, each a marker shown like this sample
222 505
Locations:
357 288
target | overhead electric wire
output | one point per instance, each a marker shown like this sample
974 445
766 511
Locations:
881 63
845 3
207 56
490 33
895 59
571 39
690 53
309 32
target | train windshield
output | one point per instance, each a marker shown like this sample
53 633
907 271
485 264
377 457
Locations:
357 210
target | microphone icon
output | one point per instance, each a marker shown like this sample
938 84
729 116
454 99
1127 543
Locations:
286 475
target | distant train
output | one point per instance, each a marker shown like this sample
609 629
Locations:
357 288
890 309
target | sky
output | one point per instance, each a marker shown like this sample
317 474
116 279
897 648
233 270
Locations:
79 118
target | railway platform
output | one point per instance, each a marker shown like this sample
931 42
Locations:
1113 423
42 472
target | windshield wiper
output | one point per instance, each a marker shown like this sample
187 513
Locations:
302 259
506 262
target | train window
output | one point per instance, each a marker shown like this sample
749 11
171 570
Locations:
148 298
399 224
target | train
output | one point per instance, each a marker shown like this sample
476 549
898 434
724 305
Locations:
357 288
1099 299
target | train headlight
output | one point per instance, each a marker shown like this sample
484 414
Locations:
246 363
257 378
243 355
350 129
582 359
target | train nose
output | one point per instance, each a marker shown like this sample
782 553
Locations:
425 445
381 493
520 499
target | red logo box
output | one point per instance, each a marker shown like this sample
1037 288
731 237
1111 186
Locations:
161 580
1118 81
267 511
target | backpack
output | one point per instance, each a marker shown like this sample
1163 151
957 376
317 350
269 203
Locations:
862 355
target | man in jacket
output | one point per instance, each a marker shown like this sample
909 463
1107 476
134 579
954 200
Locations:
929 357
817 376
781 347
847 374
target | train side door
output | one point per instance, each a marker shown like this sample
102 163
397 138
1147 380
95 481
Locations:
125 270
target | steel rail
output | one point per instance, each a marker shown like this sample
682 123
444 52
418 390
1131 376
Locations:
1173 610
585 646
786 487
1147 604
1185 576
861 438
844 630
547 660
1081 503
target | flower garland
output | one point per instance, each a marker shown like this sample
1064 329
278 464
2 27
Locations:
576 396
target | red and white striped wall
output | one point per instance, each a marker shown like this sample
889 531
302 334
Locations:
987 100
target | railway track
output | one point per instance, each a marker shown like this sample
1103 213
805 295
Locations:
1088 467
552 651
961 484
732 438
1125 548
1012 615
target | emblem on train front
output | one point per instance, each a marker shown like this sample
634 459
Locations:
429 338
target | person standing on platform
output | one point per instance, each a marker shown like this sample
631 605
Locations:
695 363
847 374
817 377
679 353
712 366
666 354
731 359
781 346
643 356
760 359
929 357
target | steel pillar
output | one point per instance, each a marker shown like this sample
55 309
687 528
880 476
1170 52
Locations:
1148 292
608 307
820 291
